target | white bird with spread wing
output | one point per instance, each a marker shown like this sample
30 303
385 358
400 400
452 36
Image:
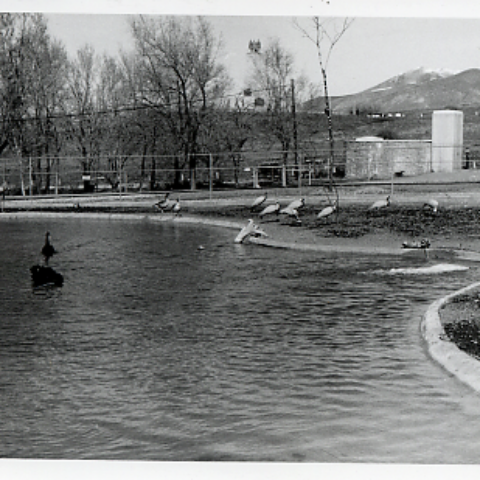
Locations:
249 230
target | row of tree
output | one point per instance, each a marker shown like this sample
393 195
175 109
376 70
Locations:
169 96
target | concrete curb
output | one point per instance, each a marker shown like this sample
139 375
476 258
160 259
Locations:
446 353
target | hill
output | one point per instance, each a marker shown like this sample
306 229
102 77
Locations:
416 90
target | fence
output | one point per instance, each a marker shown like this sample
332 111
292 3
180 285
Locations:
42 175
57 175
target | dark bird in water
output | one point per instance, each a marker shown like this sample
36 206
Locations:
42 275
48 250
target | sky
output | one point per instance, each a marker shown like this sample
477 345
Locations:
386 38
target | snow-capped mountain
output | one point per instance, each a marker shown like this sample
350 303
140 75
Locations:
414 77
419 89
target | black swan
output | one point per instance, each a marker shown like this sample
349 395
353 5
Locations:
48 250
43 274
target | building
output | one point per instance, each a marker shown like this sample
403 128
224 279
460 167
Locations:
373 158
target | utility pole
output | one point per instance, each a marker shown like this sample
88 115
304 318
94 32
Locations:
295 135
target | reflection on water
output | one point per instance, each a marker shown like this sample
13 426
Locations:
156 349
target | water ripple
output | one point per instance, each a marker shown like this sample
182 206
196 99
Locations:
154 350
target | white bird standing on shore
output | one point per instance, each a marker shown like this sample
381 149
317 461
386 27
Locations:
380 204
176 207
269 209
431 205
259 200
327 211
291 212
296 204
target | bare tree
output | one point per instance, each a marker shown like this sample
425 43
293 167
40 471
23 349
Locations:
49 67
228 132
84 129
272 70
273 79
32 81
181 77
327 33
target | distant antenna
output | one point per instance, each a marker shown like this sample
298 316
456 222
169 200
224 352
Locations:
254 46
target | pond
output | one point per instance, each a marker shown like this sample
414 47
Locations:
169 342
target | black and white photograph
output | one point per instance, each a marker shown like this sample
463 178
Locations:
239 241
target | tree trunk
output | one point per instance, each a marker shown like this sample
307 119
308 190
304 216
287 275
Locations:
153 180
328 113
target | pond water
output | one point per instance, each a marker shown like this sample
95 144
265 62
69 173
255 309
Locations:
156 349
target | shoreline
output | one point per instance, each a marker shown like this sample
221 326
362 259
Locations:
279 235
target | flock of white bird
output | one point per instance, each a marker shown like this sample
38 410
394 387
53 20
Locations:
293 208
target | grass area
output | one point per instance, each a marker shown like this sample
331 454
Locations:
461 322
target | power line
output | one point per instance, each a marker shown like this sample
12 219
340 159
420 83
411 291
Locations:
142 107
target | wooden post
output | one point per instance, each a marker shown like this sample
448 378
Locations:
295 139
30 180
210 183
